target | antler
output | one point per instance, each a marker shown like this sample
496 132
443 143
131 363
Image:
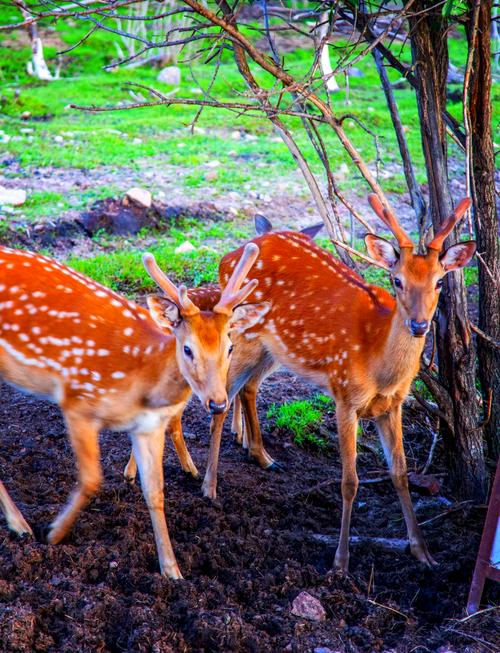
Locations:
178 295
233 294
447 227
390 220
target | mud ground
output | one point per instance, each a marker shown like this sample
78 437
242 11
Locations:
244 557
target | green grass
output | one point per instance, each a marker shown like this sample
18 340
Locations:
93 139
303 419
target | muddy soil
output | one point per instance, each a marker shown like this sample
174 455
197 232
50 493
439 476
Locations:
245 557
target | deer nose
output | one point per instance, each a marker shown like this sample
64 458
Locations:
419 329
217 408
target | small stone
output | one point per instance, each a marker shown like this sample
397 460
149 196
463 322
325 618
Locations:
185 247
236 135
27 130
12 196
58 139
306 606
136 141
113 564
26 115
170 75
213 164
139 196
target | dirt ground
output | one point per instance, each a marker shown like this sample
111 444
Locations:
245 557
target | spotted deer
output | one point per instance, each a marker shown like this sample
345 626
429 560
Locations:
356 340
109 363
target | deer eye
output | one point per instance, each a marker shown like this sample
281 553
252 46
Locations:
230 350
188 351
398 283
439 284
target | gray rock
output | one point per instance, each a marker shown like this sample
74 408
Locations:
170 75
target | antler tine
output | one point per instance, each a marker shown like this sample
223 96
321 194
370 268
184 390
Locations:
233 294
447 227
177 295
389 219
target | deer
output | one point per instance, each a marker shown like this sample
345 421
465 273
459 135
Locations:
355 340
109 363
206 297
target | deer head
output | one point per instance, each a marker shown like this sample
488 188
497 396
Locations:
418 278
203 345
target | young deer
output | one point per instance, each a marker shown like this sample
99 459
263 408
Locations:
354 339
109 363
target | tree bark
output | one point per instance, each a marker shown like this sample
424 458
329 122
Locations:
485 220
462 439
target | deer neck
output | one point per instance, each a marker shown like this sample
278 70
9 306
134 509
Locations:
400 355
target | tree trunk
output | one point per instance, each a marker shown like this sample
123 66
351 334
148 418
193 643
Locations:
457 398
485 221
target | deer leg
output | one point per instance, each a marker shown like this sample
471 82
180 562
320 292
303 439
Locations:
237 428
390 431
256 450
175 431
83 436
347 423
209 487
130 471
14 517
148 452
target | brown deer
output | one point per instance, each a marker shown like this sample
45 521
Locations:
108 363
353 339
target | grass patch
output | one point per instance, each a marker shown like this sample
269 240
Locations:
303 419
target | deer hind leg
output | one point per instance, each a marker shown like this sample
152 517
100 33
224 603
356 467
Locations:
148 452
390 431
14 517
174 429
84 440
347 423
237 426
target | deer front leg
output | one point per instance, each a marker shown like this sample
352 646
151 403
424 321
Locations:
256 450
347 423
14 517
209 487
83 436
390 430
148 452
174 430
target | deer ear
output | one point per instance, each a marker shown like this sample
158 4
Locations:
262 224
312 230
382 251
456 256
246 315
164 312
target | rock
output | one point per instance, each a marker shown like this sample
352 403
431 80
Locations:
306 606
185 247
213 164
12 196
26 115
170 75
139 196
58 139
137 141
211 175
424 483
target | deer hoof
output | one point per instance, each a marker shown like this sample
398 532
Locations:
276 466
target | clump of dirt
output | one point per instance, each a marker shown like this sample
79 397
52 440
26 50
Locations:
121 218
245 557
